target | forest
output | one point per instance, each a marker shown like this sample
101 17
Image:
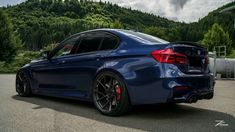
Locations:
36 24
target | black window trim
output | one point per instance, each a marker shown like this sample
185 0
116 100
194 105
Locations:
82 38
117 44
81 35
98 50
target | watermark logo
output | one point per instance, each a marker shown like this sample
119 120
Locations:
220 123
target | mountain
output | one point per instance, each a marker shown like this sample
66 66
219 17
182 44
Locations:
42 22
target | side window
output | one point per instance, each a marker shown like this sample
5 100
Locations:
109 42
68 47
89 43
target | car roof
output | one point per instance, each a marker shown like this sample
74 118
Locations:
118 32
134 35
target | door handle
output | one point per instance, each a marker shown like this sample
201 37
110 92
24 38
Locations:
62 62
98 57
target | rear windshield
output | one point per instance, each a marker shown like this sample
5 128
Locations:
144 38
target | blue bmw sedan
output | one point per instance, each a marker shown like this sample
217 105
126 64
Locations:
117 69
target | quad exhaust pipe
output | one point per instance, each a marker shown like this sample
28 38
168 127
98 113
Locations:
192 99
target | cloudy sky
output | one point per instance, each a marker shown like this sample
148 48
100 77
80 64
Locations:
178 10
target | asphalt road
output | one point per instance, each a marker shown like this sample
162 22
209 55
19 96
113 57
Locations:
47 114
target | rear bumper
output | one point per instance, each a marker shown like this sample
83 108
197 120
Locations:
191 89
157 84
166 90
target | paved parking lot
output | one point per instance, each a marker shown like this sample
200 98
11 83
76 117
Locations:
47 114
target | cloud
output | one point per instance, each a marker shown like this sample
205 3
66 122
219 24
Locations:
179 10
10 2
195 9
178 4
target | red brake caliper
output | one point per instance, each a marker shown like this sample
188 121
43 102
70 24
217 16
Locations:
118 90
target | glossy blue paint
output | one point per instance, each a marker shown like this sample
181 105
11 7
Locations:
147 80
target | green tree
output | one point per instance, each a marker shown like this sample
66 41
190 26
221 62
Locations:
156 31
117 24
8 39
216 36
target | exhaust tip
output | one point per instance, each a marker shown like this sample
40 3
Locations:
192 99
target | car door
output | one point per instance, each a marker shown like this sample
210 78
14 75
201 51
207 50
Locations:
51 76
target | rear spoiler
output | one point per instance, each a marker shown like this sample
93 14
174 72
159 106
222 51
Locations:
188 43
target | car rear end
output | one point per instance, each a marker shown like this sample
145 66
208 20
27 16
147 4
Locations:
156 71
186 72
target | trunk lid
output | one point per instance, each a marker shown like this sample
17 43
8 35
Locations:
196 55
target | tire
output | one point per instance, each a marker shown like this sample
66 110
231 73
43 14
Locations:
23 87
110 94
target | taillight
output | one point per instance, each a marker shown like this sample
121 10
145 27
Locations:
178 88
207 60
169 56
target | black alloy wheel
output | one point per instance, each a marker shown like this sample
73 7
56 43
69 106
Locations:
110 95
23 87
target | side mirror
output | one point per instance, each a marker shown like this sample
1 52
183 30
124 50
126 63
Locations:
45 54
